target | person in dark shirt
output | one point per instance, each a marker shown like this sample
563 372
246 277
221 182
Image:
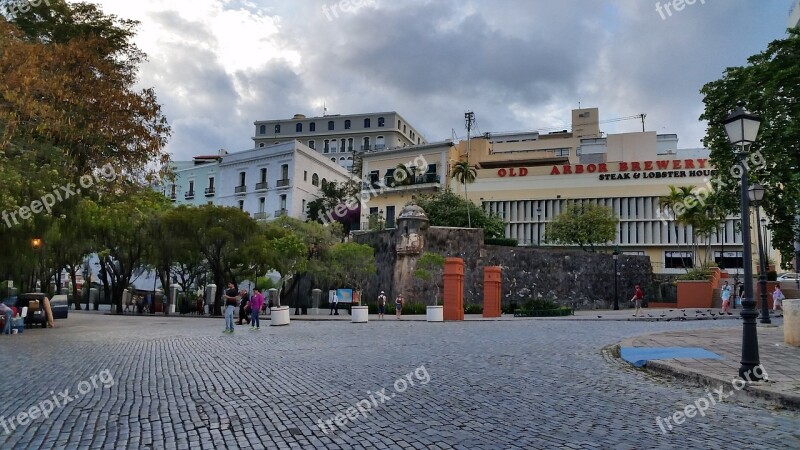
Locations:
243 314
231 300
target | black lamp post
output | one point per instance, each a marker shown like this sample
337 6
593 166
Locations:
742 129
615 255
756 194
36 244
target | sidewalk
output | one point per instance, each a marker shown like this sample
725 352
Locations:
781 362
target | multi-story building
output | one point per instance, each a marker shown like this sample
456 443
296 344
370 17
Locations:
794 15
341 138
265 182
393 176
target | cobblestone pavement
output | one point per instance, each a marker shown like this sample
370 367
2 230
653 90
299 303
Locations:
161 382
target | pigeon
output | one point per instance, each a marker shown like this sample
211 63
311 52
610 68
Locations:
712 315
671 310
599 317
663 315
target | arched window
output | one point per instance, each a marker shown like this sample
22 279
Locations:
347 124
324 182
366 144
381 121
261 144
312 145
312 126
315 180
330 125
379 143
262 129
398 124
298 128
333 159
277 128
367 123
341 159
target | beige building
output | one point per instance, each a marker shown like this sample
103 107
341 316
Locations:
341 137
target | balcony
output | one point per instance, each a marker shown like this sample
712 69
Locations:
260 216
366 148
189 195
419 182
280 212
210 191
380 146
241 189
282 183
262 186
173 196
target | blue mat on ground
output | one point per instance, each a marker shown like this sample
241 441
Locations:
638 356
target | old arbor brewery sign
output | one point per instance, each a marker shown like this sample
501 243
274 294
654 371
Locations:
673 168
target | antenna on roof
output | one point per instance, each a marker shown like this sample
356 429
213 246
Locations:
324 109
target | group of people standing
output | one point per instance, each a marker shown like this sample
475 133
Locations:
726 292
247 305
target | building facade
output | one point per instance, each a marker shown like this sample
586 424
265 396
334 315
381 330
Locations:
341 138
794 15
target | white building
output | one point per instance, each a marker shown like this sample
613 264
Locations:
340 137
794 15
274 180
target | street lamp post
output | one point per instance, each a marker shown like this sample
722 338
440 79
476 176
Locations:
756 195
742 129
615 255
36 244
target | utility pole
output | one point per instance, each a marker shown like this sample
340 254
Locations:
643 115
469 119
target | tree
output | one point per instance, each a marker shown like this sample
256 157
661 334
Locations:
446 209
352 264
692 208
338 202
583 224
430 267
465 174
769 87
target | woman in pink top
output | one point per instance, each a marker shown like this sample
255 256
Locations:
255 306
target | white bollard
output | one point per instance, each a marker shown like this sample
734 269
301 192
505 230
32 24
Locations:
791 322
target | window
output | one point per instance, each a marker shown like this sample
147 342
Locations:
350 144
262 129
381 122
404 129
211 183
334 146
304 206
678 260
330 125
333 159
398 124
311 145
285 171
344 146
242 178
277 128
366 144
562 152
312 126
305 175
261 203
324 182
283 201
298 128
347 124
730 260
315 180
191 187
341 159
261 145
264 175
418 141
172 190
367 123
327 147
379 143
241 205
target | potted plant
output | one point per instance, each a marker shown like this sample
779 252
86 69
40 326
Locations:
430 267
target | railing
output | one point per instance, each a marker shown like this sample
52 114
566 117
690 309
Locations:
261 186
280 212
380 146
241 189
365 147
189 195
260 216
282 183
209 191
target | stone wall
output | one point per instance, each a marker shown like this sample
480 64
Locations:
569 277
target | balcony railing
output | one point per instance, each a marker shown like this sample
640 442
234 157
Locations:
408 183
189 195
260 216
241 189
380 146
262 186
173 196
209 191
282 183
366 147
280 212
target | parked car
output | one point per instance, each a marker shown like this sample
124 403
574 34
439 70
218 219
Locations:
37 316
788 280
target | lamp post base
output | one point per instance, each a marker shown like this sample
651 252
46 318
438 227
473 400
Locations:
750 369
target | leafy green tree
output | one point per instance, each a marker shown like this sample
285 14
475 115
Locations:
583 225
692 208
338 202
446 209
351 264
430 268
769 86
465 174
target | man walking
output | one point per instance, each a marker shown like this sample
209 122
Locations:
334 305
231 299
255 308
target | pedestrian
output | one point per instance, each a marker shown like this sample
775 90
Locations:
777 299
381 304
334 305
231 300
638 296
726 298
255 307
8 313
398 305
244 314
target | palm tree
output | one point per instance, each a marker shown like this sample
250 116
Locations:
687 211
465 174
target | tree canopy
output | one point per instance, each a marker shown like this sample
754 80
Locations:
446 209
583 224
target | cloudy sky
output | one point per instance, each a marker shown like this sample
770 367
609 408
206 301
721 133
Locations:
219 65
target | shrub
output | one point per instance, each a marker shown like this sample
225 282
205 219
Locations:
695 275
473 309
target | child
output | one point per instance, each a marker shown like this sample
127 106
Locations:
777 299
726 298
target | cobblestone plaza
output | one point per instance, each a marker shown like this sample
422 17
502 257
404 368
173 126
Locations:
171 382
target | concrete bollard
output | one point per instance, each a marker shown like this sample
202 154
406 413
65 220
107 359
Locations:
791 322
